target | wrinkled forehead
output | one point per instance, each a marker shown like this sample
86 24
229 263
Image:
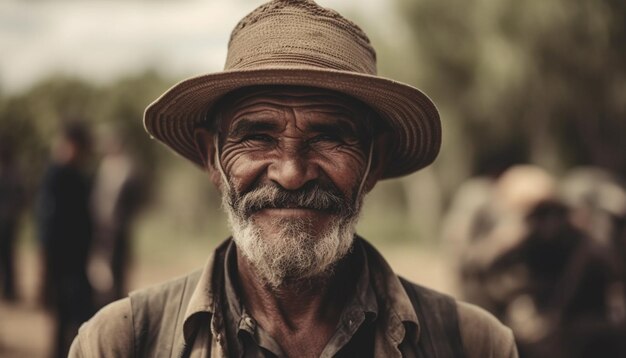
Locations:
293 97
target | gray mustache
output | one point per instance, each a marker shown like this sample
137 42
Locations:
272 196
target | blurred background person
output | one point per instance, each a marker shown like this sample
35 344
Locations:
532 259
471 215
64 229
597 199
11 205
561 309
115 200
598 202
486 220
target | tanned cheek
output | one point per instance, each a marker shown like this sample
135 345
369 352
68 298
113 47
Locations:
229 155
242 164
345 165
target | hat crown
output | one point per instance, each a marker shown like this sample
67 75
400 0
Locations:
299 34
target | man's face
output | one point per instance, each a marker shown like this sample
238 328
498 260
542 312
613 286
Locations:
294 161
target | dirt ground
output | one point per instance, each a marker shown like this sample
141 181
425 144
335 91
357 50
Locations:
26 329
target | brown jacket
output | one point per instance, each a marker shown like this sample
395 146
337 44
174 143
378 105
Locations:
176 317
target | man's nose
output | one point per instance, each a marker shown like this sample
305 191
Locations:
292 170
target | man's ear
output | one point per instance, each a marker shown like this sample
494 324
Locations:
379 158
205 147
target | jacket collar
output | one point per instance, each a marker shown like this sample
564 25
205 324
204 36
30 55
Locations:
396 308
203 300
394 305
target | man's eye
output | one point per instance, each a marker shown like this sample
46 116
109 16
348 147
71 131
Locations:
326 138
265 138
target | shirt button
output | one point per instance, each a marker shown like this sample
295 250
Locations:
249 322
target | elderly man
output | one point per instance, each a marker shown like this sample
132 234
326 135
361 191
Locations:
294 132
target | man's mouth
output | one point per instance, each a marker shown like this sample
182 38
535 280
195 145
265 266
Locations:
290 207
292 211
306 202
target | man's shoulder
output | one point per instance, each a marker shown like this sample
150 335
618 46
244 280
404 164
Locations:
481 334
108 333
160 293
118 329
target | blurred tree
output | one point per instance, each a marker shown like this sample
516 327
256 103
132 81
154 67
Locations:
188 206
29 119
542 80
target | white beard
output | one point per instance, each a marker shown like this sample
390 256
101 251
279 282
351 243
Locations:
296 252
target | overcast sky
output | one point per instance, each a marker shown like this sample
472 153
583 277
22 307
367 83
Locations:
102 40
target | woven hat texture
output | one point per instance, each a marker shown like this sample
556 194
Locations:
297 42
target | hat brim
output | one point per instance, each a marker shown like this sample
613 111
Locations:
410 114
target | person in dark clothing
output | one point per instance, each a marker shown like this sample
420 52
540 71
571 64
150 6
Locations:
11 204
569 276
115 200
64 227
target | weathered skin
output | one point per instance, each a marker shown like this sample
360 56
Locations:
293 138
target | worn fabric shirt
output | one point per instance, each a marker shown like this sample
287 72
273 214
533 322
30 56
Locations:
355 330
200 314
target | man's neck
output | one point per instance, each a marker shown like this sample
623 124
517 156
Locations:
305 310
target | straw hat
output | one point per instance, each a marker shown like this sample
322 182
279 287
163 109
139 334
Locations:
297 42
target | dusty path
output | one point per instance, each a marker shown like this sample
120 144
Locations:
25 328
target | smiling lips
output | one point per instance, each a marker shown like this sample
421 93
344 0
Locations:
292 211
313 200
293 208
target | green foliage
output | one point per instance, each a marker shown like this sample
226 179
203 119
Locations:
29 121
545 80
184 204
